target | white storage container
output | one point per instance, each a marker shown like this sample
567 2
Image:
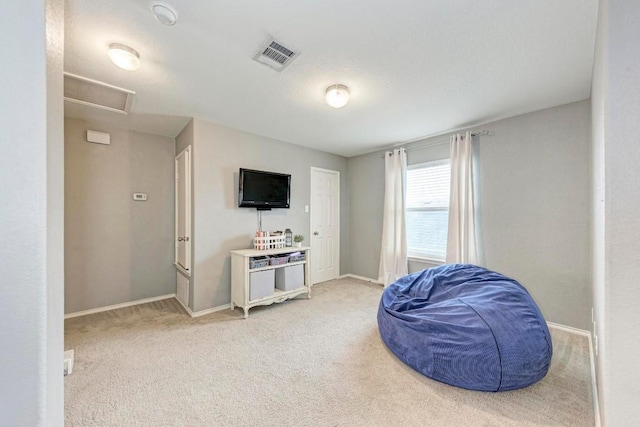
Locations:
261 284
288 278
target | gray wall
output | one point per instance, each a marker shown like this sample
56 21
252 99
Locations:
616 203
220 226
532 177
31 226
117 250
366 199
534 207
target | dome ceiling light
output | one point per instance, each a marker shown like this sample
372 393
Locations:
124 56
337 95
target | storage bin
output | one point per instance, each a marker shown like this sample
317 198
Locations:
288 278
258 262
261 284
297 256
279 259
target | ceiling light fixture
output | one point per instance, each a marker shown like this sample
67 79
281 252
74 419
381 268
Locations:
337 96
124 56
165 14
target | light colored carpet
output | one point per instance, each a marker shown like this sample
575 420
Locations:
317 362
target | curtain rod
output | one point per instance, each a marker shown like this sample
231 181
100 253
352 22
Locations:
483 132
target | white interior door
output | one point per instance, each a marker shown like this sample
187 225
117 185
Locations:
325 225
183 209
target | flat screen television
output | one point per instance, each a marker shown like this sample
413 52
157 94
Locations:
263 190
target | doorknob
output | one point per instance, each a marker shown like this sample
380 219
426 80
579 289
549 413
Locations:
315 233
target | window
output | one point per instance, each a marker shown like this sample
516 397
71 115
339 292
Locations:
427 209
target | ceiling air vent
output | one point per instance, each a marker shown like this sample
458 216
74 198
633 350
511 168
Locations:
275 55
82 90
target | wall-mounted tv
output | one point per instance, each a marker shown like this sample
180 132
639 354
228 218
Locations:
263 190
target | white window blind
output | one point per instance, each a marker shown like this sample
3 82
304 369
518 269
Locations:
427 209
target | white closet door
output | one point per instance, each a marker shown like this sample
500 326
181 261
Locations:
183 209
325 225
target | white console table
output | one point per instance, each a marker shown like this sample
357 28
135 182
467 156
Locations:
241 277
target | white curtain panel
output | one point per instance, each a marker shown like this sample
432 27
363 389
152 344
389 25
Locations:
393 252
461 240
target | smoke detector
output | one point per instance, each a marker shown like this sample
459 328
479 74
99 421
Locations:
164 13
275 55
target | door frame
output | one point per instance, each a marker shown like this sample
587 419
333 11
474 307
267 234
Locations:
338 207
187 212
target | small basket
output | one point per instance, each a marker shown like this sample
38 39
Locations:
278 260
258 262
271 242
297 258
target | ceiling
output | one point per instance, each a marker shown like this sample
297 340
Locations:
415 68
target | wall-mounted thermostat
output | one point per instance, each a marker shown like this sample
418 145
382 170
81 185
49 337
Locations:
140 197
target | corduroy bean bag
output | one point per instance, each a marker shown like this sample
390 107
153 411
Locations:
466 326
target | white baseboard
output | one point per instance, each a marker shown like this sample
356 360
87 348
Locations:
145 301
185 307
355 276
117 306
569 329
204 312
592 362
210 310
594 385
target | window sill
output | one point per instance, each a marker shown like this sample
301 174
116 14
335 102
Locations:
426 260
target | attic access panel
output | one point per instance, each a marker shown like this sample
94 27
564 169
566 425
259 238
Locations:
85 91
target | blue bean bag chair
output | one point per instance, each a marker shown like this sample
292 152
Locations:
466 326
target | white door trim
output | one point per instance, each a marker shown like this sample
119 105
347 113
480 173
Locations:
338 237
187 209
